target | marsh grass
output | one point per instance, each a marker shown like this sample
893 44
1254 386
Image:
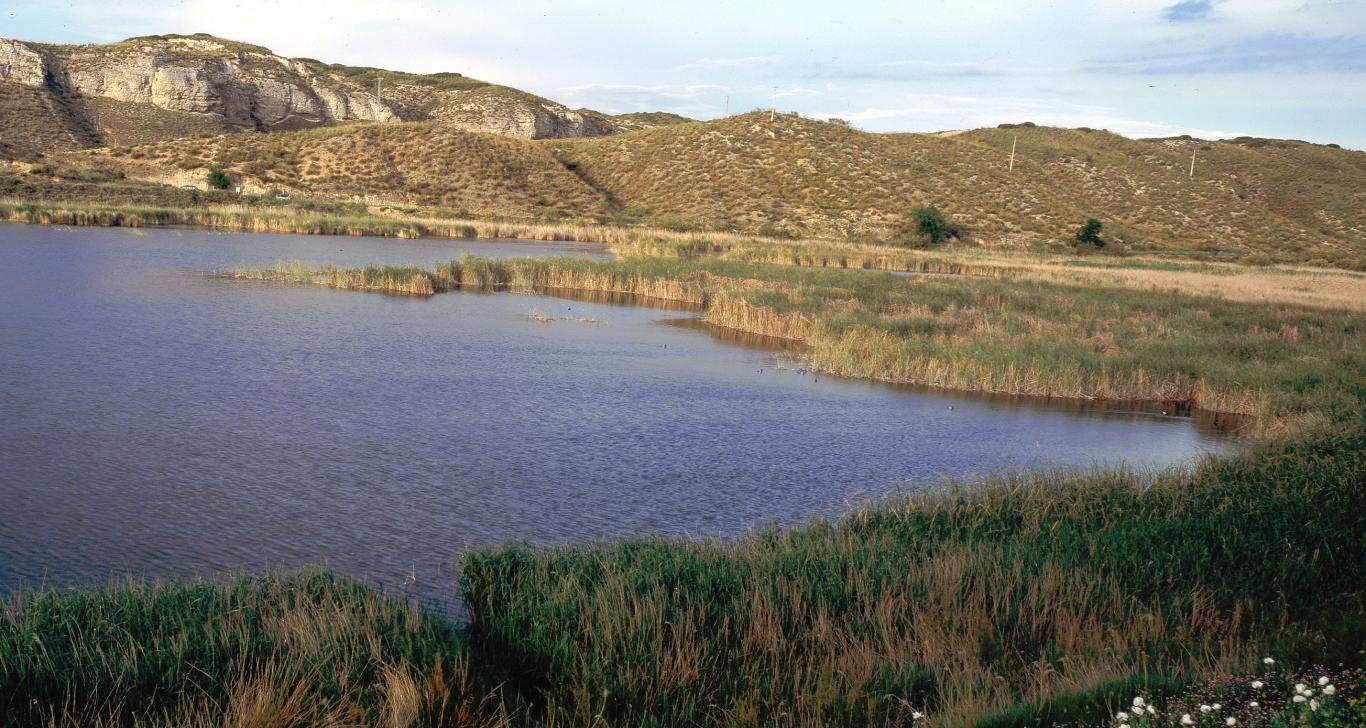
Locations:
293 650
1035 599
1000 335
1044 594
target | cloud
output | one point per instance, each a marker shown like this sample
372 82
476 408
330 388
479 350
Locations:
1189 10
743 62
694 100
936 112
1271 52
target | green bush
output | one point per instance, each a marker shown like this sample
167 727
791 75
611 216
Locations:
1089 234
927 226
218 179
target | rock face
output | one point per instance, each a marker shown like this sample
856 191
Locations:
514 115
21 64
248 88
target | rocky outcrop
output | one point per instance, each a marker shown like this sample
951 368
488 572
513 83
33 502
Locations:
250 88
512 115
243 87
21 64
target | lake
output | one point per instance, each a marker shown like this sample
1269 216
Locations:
157 421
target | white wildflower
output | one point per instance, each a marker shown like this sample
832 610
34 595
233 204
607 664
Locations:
1205 709
1254 704
1314 705
1121 715
1329 690
1257 684
1268 661
1323 681
917 715
1217 706
1123 725
1186 719
1299 687
1230 721
1152 710
1139 703
1299 698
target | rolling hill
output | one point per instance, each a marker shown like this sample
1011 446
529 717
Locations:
1248 198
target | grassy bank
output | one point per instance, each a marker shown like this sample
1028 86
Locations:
1017 336
1038 600
158 205
1053 595
309 218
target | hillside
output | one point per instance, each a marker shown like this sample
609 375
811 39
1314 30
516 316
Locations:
813 178
163 87
1249 199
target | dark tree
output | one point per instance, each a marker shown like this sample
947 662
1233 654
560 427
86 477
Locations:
1089 234
927 226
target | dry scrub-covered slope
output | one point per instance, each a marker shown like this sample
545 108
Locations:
395 164
824 179
1248 200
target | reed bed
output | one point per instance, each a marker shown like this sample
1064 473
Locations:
1019 600
1038 599
1024 337
1320 288
305 649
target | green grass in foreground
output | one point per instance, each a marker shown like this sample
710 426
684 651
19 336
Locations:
1034 600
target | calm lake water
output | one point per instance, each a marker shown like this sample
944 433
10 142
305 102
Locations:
156 421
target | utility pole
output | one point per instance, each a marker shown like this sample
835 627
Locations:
1192 174
727 104
773 109
1012 152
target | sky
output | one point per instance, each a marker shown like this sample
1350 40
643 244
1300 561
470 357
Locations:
1210 68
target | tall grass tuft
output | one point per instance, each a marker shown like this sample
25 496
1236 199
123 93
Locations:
1043 594
300 649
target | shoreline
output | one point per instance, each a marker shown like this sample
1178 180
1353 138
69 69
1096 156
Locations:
716 306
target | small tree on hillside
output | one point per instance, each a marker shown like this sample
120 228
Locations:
926 225
218 179
1089 234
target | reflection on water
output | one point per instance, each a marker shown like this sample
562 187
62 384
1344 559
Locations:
162 423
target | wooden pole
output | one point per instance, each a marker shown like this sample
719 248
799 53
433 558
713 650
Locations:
1192 174
1012 152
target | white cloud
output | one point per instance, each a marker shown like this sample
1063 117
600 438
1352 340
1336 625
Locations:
744 62
938 112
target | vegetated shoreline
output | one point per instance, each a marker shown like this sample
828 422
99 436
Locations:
1040 599
729 295
653 241
1319 287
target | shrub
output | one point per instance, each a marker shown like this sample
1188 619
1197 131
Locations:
926 225
218 179
1089 234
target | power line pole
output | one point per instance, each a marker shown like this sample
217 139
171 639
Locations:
773 109
1012 152
1192 174
727 104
